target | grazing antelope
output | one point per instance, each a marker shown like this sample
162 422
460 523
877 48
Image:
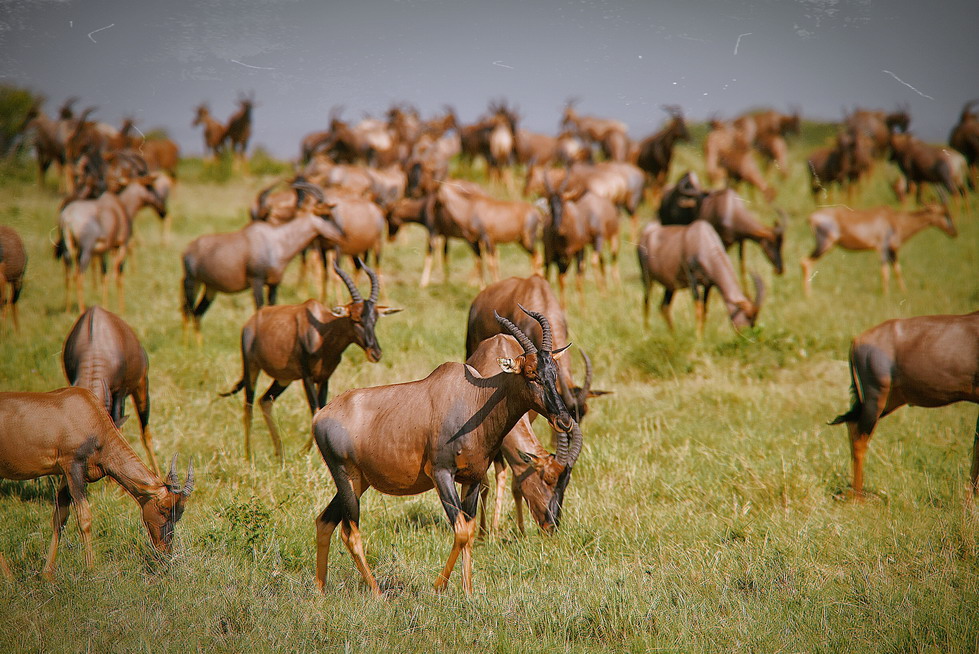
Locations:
215 133
506 297
740 165
882 228
90 228
13 262
254 257
539 477
405 439
928 361
306 342
692 256
103 354
68 433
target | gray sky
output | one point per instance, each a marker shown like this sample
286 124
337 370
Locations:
157 60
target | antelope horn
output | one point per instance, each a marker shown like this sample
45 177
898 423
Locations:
189 486
527 344
561 455
545 342
583 393
354 293
375 284
312 189
574 448
172 480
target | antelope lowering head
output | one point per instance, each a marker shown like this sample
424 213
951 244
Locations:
160 514
540 372
363 314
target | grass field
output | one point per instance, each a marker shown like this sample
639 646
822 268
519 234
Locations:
701 516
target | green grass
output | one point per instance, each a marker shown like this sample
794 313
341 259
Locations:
701 516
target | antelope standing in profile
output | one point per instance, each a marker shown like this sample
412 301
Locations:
305 342
405 439
67 432
103 354
927 361
882 228
13 262
693 256
254 257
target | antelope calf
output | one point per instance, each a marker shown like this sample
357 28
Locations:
304 341
103 354
882 228
405 439
13 261
693 256
67 432
927 361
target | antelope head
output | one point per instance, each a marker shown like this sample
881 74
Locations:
363 314
539 370
161 513
744 314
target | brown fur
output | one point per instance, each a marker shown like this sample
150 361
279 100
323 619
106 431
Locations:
68 433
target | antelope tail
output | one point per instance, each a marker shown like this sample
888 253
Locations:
856 407
240 385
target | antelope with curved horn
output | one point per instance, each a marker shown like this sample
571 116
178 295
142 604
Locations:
305 342
67 432
692 256
405 439
506 297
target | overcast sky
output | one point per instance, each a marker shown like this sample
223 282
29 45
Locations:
157 60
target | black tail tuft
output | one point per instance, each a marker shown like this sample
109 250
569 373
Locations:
240 385
850 416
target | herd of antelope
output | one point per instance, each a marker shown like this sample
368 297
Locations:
354 188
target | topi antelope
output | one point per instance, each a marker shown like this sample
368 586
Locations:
405 439
254 257
539 477
103 354
306 342
13 261
90 228
68 433
882 228
927 361
692 256
215 133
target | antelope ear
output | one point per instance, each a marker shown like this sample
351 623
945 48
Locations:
387 311
340 312
599 393
557 354
511 366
